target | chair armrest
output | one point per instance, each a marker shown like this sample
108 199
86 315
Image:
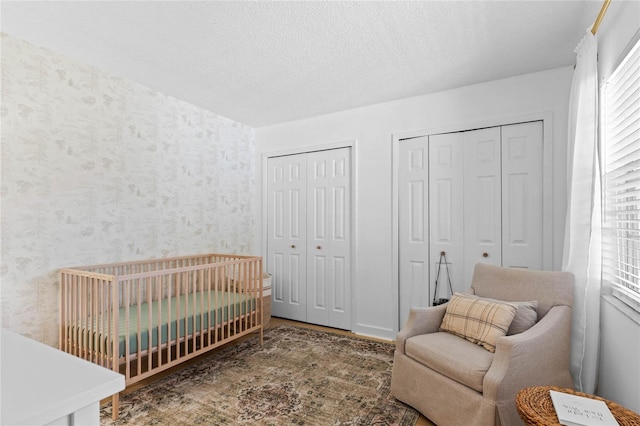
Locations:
421 321
536 357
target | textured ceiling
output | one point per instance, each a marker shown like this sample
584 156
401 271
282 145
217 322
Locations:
263 62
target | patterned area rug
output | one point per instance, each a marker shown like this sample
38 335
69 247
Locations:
299 377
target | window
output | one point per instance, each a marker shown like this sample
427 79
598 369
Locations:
621 143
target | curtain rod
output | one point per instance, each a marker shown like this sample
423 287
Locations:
603 10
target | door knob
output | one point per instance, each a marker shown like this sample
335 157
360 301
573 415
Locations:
485 254
293 246
319 247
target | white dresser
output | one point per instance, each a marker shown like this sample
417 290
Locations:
41 385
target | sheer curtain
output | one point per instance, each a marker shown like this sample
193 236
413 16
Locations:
582 245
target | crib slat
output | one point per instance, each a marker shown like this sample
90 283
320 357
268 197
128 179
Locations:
216 286
152 349
93 300
200 289
127 326
62 332
114 324
138 286
76 317
160 285
186 315
194 315
178 312
170 294
100 323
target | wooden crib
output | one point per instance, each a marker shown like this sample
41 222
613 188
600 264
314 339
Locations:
140 318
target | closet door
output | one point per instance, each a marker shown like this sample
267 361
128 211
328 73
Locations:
446 211
328 242
286 233
522 195
482 202
413 221
485 204
309 236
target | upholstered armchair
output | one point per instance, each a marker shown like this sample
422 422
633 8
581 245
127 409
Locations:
456 379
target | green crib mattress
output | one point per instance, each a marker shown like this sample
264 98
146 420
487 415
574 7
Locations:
176 317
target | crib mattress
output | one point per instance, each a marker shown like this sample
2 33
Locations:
178 316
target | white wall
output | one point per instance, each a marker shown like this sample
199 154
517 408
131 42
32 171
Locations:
373 128
619 373
98 169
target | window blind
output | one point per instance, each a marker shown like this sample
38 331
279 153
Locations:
621 142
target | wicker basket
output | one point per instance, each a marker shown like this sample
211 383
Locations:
536 408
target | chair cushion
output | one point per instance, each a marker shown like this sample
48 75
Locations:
451 356
526 317
478 320
526 314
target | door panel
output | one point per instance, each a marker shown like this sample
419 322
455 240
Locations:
276 269
340 278
319 288
328 244
413 225
446 190
317 184
482 200
339 289
296 290
286 235
522 195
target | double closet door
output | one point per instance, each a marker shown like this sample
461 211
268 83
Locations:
475 196
309 236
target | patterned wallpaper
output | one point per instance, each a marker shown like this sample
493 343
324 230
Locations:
98 169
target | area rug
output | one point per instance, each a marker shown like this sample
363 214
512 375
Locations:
298 377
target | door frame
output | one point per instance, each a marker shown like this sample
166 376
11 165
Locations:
547 187
352 145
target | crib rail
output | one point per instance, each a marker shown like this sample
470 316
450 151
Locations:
139 318
136 267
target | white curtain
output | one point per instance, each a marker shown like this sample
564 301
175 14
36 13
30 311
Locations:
582 245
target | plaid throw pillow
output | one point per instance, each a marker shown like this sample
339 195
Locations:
526 314
478 320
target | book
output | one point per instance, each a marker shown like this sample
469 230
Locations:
574 410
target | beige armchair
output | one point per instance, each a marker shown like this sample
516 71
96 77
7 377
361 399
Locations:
453 381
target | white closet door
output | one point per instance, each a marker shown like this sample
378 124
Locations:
485 204
286 235
309 236
522 200
446 202
328 241
482 201
413 221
